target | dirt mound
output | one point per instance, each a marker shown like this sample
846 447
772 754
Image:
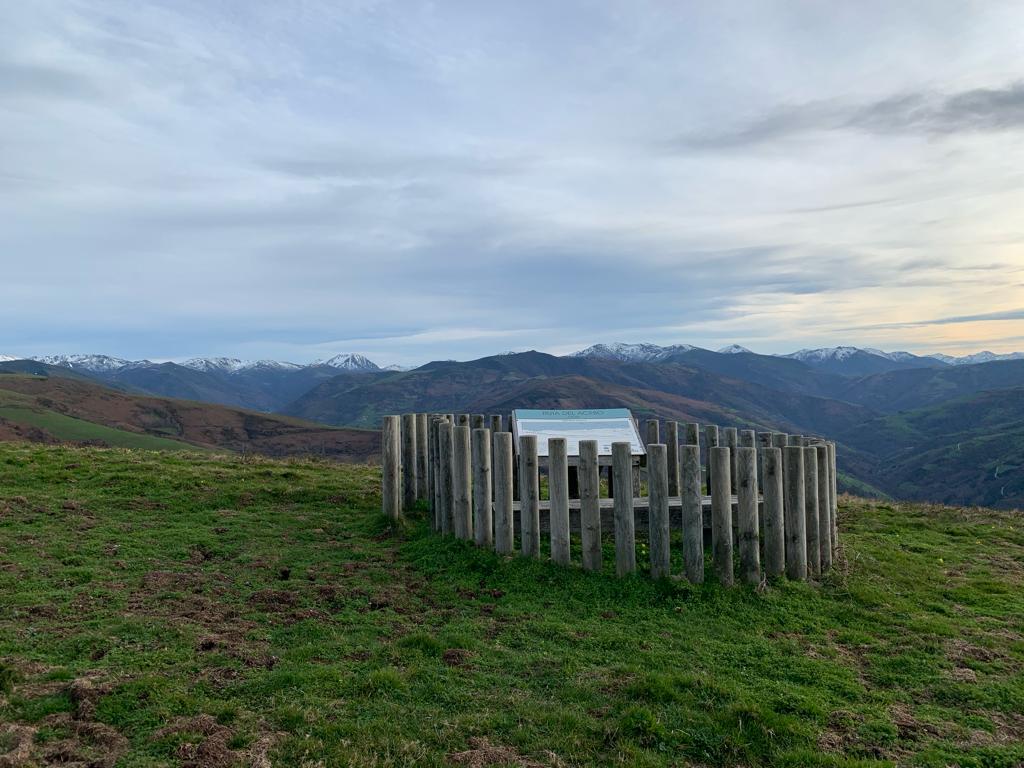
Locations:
483 753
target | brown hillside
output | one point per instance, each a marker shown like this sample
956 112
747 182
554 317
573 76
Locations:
201 424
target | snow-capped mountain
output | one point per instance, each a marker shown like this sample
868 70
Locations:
349 361
7 358
234 365
734 349
632 353
91 363
978 357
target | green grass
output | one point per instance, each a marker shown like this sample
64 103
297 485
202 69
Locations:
19 409
167 608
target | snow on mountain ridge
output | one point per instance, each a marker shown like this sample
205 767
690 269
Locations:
94 363
632 352
350 361
734 349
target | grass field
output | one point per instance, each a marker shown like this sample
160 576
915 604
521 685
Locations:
20 409
181 609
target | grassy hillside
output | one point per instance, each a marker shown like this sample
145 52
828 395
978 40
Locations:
166 609
65 409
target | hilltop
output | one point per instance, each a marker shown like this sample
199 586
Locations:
172 607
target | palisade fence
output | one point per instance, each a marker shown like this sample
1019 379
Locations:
770 497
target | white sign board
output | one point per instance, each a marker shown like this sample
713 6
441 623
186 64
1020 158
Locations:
606 426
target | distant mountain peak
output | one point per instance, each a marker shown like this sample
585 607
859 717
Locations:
734 349
632 352
984 356
7 358
93 363
350 361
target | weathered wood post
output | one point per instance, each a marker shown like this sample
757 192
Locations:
462 483
558 486
482 515
795 440
824 508
504 519
625 534
422 483
529 496
780 439
833 467
730 439
479 421
774 528
657 509
590 505
721 514
693 515
746 514
811 511
390 464
446 465
408 460
652 432
433 462
462 420
496 424
796 526
692 434
711 438
747 439
672 456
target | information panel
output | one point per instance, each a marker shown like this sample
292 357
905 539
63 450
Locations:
606 426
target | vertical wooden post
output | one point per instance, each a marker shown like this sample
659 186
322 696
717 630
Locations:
625 535
795 440
590 505
652 432
462 420
747 439
721 514
504 519
692 434
421 456
780 439
479 421
796 525
529 496
408 461
693 514
833 472
711 438
462 489
672 456
432 464
558 485
446 465
811 511
657 510
746 514
390 463
496 424
774 527
824 508
482 515
730 439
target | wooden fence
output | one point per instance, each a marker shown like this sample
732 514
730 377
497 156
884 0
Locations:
765 501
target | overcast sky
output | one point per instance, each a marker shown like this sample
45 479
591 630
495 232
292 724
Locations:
413 181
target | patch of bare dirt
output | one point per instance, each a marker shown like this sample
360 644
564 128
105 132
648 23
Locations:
20 739
206 744
482 754
456 657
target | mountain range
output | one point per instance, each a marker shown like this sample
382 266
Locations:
907 425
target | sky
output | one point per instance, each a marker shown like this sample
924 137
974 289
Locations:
446 180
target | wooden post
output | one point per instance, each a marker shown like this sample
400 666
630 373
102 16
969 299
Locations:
421 456
652 432
711 438
462 420
482 521
833 472
625 535
590 505
747 439
504 519
479 421
693 515
796 526
721 514
780 439
391 462
672 456
408 461
529 496
462 489
657 515
811 511
433 462
795 440
774 528
730 439
746 514
496 425
692 434
446 465
558 485
824 508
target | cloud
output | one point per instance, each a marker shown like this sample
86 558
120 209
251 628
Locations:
977 110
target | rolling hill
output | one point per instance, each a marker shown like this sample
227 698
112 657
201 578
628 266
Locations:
63 409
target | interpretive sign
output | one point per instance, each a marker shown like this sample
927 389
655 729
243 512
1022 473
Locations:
605 425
